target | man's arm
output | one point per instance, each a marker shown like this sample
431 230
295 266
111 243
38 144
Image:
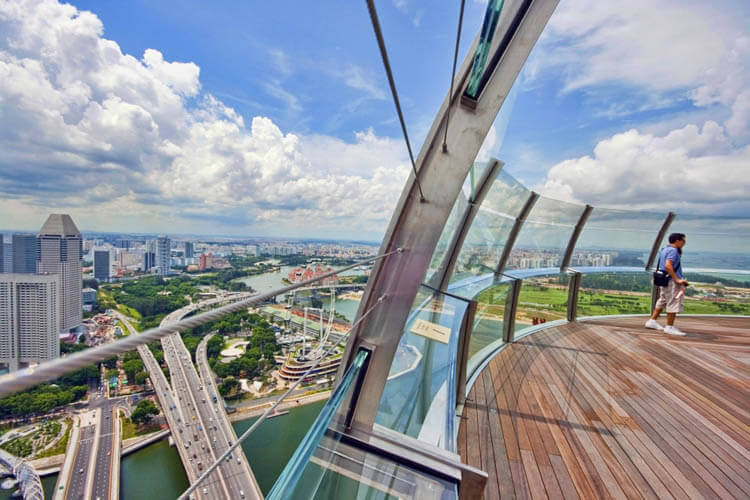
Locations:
670 269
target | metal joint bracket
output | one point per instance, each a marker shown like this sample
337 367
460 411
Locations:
463 351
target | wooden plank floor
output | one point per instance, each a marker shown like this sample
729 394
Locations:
608 409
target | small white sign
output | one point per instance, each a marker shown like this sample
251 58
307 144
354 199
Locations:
431 330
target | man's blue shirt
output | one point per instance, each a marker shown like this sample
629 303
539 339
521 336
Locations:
670 253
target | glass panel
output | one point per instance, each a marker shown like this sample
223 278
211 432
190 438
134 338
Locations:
491 16
718 293
601 294
617 238
487 331
298 475
450 228
545 234
542 299
419 398
489 231
714 242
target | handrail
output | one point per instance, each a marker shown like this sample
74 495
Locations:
28 377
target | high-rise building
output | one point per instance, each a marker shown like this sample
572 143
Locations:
149 256
122 243
163 254
102 265
2 255
59 252
7 257
29 318
24 253
189 252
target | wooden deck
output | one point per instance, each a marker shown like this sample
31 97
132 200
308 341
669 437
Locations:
609 409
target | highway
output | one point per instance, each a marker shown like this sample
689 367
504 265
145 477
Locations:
76 489
203 429
214 427
103 466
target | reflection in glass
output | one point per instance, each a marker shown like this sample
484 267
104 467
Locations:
491 16
419 398
617 238
487 331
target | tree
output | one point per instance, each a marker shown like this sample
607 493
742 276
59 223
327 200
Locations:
229 386
144 412
214 346
114 372
140 377
132 367
110 362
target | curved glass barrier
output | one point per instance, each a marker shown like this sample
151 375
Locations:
419 398
608 293
717 292
446 237
542 299
485 240
545 234
488 326
713 242
617 238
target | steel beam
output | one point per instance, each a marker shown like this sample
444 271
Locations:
659 239
442 277
417 224
515 231
574 285
574 237
511 305
464 341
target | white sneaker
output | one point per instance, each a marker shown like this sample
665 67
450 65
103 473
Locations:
654 325
673 330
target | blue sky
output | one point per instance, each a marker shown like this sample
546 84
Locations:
275 118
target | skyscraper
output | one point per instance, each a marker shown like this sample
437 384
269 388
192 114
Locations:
29 318
102 265
149 256
163 254
7 257
2 255
24 253
189 250
60 248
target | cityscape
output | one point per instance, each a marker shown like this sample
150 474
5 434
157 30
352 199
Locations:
271 250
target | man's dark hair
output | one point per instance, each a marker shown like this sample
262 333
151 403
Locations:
676 237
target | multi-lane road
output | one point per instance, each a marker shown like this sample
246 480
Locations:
200 427
76 488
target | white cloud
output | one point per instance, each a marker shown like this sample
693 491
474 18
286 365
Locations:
131 143
690 169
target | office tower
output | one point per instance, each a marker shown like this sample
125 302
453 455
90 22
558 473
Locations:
2 255
189 253
102 265
163 254
29 318
59 252
124 244
24 253
7 257
149 256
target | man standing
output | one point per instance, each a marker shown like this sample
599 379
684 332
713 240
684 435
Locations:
672 295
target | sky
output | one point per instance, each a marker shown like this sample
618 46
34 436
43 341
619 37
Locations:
275 118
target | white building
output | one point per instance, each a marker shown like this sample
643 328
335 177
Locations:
29 318
60 248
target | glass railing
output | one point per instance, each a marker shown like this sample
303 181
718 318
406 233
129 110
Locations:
488 326
419 398
309 471
717 292
609 293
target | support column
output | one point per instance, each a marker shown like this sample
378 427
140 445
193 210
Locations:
574 237
511 305
574 284
659 238
514 232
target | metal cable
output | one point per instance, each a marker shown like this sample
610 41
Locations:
384 54
453 76
45 372
276 403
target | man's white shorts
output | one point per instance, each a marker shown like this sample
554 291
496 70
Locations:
672 297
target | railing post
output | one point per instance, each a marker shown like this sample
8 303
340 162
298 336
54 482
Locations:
574 237
511 304
464 341
659 239
655 292
514 232
574 284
